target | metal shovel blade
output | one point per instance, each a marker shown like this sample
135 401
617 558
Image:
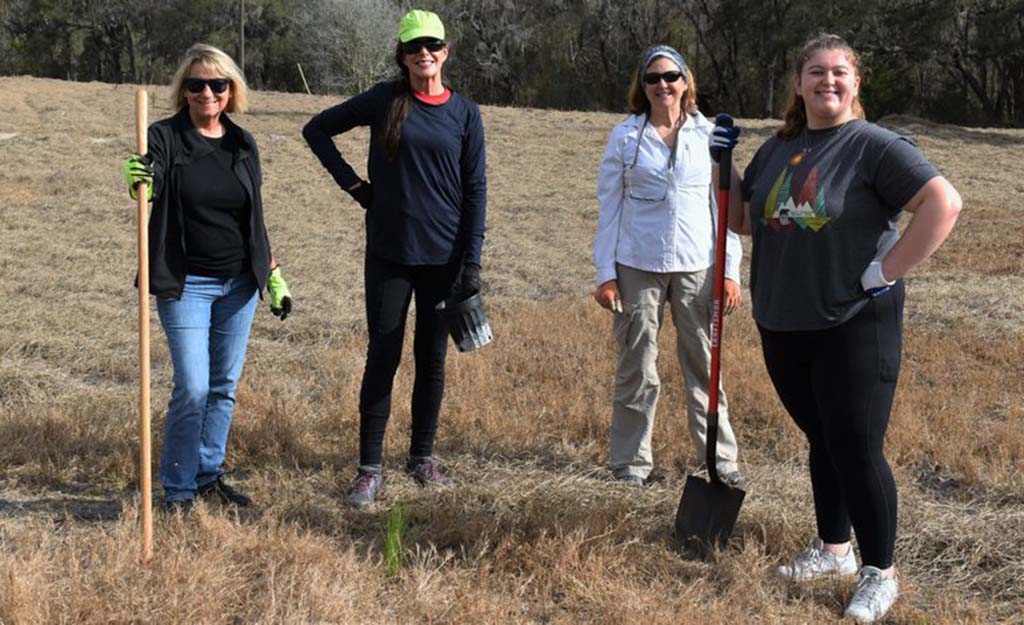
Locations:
707 515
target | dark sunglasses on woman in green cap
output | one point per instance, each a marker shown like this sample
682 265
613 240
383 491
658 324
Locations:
414 46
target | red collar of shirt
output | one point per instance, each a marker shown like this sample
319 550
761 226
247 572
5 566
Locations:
433 100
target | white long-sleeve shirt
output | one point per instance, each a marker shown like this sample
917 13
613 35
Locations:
659 214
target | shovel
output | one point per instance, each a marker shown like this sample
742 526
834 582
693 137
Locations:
708 510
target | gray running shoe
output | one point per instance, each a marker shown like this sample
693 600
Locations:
815 563
632 480
364 489
874 596
732 478
427 472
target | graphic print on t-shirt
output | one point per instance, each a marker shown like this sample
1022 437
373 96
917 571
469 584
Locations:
786 210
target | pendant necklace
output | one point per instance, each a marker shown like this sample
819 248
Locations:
805 136
798 157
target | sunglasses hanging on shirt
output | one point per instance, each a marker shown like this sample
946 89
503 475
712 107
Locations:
414 46
653 78
197 85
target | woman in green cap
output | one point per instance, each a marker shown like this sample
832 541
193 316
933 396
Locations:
425 201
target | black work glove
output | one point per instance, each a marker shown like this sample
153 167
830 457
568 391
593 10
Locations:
362 194
469 282
724 136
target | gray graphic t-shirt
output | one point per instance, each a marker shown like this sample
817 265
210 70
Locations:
823 205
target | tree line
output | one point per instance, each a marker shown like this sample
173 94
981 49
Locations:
956 61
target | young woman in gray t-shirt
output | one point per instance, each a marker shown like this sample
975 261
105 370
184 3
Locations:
822 199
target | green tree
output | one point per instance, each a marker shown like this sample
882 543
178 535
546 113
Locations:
347 45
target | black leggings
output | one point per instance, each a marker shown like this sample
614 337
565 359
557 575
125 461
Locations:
389 289
838 386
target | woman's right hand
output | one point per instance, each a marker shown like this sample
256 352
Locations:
362 193
607 295
138 169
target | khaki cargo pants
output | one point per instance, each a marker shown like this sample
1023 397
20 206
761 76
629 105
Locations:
644 296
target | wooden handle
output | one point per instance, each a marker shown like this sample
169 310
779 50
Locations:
145 470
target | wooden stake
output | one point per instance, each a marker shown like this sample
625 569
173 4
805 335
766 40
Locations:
145 470
303 77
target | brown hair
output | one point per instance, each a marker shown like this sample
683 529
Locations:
217 60
398 109
794 120
636 99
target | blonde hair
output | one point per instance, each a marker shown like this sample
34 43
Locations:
216 60
794 119
636 99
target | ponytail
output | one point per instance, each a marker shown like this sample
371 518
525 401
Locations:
398 109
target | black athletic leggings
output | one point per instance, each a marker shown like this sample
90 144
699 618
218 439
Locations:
389 289
838 386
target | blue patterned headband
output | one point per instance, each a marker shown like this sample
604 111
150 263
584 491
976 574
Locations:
669 53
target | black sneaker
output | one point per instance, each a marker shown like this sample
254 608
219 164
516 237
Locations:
225 493
427 472
177 506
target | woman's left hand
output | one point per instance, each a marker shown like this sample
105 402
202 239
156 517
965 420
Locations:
280 295
723 137
731 296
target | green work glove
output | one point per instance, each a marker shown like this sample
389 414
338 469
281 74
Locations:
138 169
280 296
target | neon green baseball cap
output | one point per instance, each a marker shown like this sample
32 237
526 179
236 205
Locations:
416 24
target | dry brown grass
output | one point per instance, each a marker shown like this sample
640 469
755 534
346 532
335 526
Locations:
537 532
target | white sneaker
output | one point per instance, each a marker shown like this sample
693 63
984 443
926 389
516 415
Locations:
815 563
873 597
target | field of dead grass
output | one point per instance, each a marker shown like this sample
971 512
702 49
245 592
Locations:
536 532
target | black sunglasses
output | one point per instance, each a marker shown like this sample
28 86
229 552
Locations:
217 85
653 78
413 47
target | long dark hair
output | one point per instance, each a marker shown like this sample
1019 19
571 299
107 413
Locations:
794 120
398 108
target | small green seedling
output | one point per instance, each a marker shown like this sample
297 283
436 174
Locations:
398 521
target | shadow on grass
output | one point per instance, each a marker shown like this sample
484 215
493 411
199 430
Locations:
546 457
832 594
64 508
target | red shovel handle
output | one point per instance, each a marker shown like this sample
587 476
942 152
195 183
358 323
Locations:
724 181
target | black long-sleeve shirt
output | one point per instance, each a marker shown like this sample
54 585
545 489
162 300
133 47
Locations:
216 213
174 143
429 205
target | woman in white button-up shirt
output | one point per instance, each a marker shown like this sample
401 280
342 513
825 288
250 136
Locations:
655 245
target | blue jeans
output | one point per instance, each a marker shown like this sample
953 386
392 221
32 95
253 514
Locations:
207 332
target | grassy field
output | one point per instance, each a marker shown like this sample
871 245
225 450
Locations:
536 532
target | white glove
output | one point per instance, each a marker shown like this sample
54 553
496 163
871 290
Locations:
873 281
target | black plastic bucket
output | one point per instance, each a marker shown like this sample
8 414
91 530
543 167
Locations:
467 322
